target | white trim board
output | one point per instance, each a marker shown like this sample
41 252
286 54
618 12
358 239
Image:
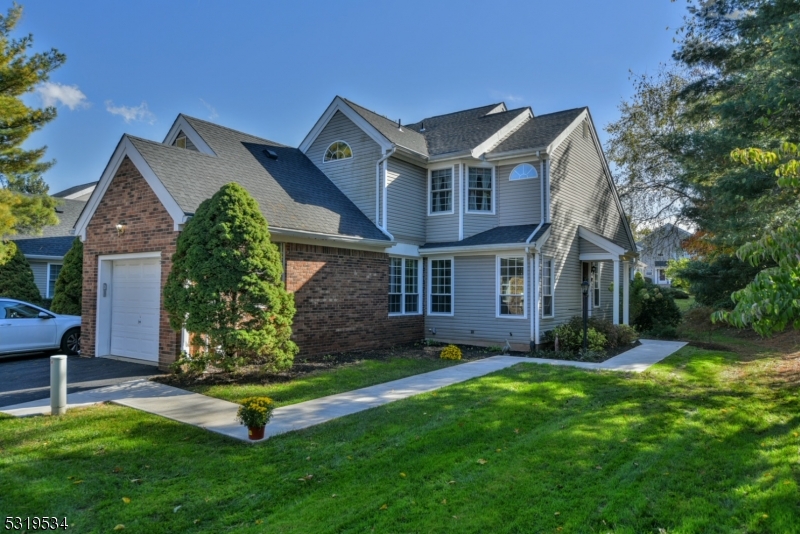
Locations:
182 125
125 148
525 295
600 241
339 104
502 133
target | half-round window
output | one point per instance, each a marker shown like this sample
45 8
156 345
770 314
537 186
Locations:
338 150
523 171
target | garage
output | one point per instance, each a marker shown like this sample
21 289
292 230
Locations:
129 304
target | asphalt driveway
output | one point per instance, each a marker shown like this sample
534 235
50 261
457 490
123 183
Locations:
29 379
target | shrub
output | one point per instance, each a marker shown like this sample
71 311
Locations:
712 282
571 338
617 335
588 356
450 352
650 306
69 285
679 294
663 332
255 411
16 276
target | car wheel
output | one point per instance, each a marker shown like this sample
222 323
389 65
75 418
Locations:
71 342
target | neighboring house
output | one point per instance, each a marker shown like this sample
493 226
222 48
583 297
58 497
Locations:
473 227
657 248
45 252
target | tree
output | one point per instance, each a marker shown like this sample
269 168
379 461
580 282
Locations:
69 284
16 276
24 204
226 284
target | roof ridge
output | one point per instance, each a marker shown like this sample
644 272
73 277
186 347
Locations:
461 111
214 124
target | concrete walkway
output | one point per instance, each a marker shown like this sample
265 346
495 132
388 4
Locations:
219 415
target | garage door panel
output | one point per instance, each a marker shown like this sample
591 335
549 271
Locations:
135 308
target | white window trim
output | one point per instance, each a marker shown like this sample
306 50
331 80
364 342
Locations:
403 287
49 296
452 286
596 286
511 173
497 313
452 190
494 189
552 287
352 153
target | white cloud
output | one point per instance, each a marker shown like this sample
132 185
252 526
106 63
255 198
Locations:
213 111
54 94
140 113
507 97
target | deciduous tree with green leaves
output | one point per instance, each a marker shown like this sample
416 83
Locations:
16 276
69 284
226 284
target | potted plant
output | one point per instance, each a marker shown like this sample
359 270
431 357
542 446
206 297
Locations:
254 413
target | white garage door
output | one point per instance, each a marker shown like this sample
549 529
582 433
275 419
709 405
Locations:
135 292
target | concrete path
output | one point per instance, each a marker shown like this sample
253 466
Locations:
219 415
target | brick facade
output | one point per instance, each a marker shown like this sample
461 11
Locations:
341 295
342 300
129 198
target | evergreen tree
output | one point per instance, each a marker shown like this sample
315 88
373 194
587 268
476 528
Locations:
16 276
69 285
226 284
24 204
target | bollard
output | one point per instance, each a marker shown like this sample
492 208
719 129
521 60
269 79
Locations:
58 385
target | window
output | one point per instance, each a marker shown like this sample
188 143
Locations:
338 150
441 281
441 200
180 142
596 285
548 278
480 189
511 287
662 275
523 171
52 275
17 310
404 286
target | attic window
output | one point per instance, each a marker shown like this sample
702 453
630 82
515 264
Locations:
338 150
180 142
523 171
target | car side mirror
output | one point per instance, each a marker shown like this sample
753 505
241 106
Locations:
45 315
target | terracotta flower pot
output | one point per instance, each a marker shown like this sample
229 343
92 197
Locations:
255 432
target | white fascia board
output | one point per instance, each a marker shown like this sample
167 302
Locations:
600 241
339 104
126 148
450 155
43 257
510 157
568 130
597 256
79 193
404 249
182 125
502 133
539 243
131 256
288 234
474 249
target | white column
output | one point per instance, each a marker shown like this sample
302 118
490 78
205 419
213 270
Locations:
616 292
536 308
626 292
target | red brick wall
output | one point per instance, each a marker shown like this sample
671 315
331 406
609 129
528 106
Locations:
149 228
342 302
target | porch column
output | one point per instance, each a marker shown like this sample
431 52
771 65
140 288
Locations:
616 292
626 292
536 300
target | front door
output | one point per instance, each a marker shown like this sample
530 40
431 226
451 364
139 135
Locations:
586 276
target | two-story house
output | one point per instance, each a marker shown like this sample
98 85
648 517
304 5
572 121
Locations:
657 248
473 227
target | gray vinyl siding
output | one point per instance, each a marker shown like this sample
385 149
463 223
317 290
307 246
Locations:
444 228
474 320
406 190
39 269
580 195
518 201
356 176
590 248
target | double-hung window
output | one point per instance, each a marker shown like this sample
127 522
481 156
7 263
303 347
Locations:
548 283
441 200
53 269
596 286
441 287
511 287
404 295
480 189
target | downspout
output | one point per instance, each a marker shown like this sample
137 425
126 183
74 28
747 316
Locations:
381 192
534 259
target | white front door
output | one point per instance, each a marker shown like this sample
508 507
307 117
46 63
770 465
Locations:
135 306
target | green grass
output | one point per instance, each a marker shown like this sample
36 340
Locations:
701 443
685 304
321 383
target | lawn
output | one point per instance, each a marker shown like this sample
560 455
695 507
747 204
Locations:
706 441
685 304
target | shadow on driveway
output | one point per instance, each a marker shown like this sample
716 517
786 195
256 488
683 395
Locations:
28 379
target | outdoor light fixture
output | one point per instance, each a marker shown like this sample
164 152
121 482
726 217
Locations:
121 226
585 291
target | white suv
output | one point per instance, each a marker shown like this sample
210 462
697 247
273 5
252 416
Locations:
28 328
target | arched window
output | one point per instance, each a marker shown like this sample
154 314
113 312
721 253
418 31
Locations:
523 171
338 150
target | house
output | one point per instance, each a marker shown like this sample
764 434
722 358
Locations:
45 252
473 227
657 248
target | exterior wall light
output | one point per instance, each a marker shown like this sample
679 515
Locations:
121 226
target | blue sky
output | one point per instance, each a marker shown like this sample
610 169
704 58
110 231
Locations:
271 68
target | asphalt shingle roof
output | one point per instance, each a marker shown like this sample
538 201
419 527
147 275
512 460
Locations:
538 132
67 212
45 246
291 191
74 189
499 235
404 136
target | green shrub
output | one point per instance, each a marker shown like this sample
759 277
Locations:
450 352
588 356
16 276
679 294
617 335
663 332
571 338
69 285
651 306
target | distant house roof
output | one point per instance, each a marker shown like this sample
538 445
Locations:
500 235
291 191
45 246
83 190
67 212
